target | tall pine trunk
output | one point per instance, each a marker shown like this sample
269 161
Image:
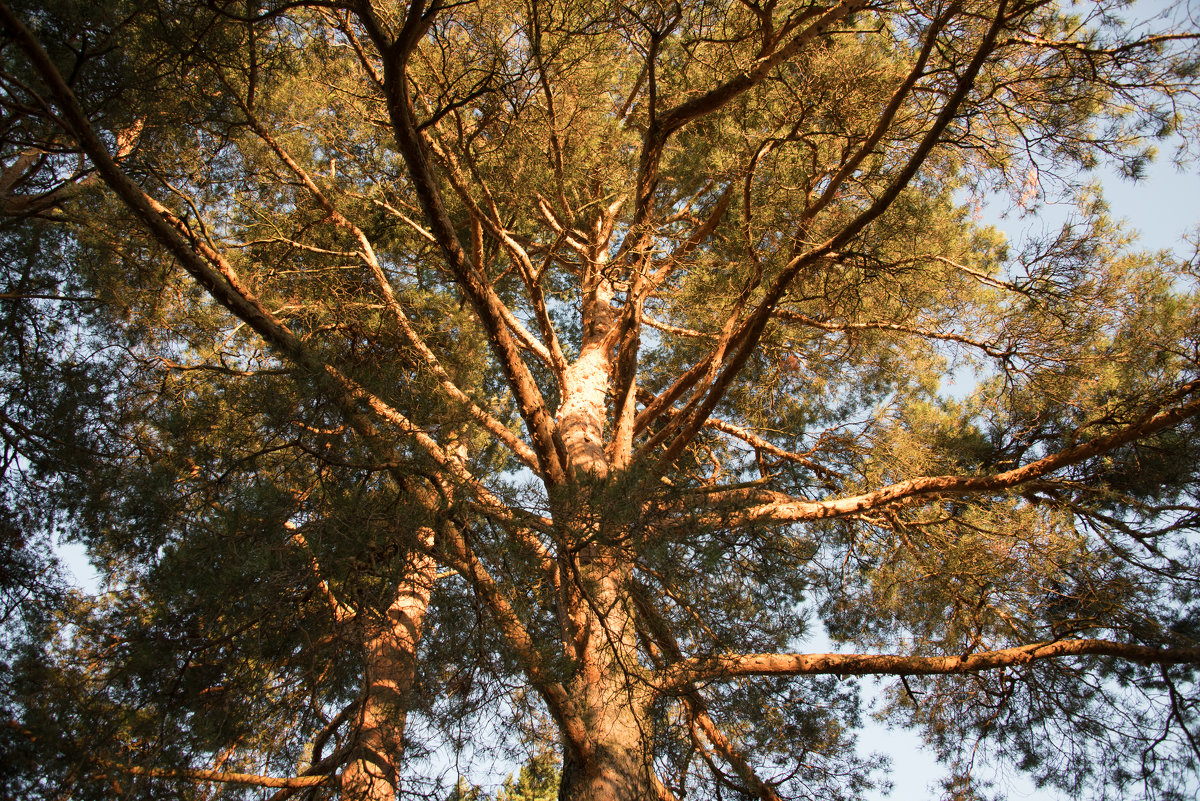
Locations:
609 690
608 687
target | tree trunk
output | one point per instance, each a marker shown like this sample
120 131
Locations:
620 767
609 691
391 660
608 686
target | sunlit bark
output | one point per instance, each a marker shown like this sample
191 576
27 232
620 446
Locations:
390 664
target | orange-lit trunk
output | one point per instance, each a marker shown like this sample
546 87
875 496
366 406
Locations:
609 689
391 661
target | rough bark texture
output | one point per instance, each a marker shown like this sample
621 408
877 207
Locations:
612 693
391 661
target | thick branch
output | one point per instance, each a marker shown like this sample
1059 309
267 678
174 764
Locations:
680 676
790 510
458 555
342 612
221 776
551 352
661 126
475 286
888 116
659 630
412 337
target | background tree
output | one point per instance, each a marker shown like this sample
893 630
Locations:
567 362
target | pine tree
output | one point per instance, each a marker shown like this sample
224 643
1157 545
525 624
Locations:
537 780
458 376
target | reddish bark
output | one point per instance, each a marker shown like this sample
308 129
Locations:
391 662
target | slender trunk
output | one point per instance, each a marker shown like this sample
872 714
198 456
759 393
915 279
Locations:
391 660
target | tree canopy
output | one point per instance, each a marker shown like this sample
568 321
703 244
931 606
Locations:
606 385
